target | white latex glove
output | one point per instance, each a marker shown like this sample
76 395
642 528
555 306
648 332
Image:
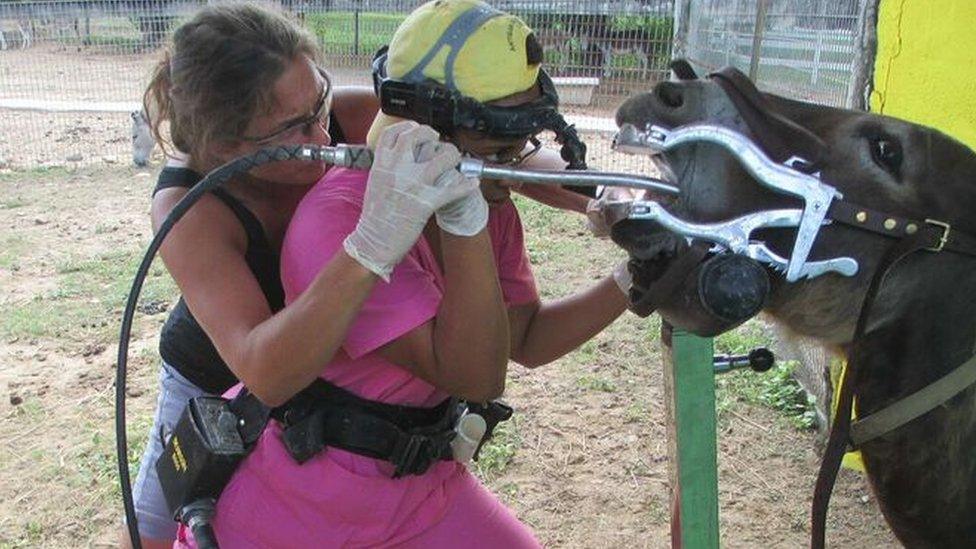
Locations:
621 275
413 175
466 216
595 220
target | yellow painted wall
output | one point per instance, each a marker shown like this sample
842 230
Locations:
925 70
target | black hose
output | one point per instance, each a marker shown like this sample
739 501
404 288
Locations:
212 180
198 516
204 537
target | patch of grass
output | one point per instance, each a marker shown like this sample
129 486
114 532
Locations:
775 389
31 174
540 222
743 339
657 512
507 492
87 301
596 383
31 535
831 84
30 410
781 392
105 228
337 31
497 453
13 203
587 352
68 468
637 411
41 317
121 43
95 463
12 249
108 277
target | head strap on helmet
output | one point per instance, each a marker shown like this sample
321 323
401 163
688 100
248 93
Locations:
439 106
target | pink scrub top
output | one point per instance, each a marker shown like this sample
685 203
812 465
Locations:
339 499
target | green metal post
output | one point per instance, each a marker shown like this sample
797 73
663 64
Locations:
355 40
690 384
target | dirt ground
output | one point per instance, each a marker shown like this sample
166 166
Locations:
584 462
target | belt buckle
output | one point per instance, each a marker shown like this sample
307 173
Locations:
946 229
411 457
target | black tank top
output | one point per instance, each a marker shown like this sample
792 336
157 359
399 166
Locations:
183 344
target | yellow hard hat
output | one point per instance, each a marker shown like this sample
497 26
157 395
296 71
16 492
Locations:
468 46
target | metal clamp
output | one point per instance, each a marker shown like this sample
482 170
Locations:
782 178
846 266
735 236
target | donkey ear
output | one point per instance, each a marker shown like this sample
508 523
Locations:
683 69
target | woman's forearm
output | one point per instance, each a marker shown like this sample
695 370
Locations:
284 354
556 197
471 341
561 326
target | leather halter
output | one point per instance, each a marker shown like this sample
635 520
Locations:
785 141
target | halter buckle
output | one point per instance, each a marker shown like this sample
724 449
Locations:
946 229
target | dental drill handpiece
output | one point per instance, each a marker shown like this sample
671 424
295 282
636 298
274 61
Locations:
361 158
473 167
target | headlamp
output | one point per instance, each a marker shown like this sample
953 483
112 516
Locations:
446 110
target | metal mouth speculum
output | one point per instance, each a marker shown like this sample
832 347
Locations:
735 234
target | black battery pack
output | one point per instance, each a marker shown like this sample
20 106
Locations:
201 454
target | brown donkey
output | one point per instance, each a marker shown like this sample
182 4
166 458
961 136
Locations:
922 324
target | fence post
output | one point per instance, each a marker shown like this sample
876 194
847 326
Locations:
689 382
816 57
355 39
757 38
87 39
732 34
865 40
679 30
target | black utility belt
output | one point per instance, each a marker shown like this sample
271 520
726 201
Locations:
411 438
214 435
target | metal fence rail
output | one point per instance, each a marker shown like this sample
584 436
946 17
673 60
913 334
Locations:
71 70
806 49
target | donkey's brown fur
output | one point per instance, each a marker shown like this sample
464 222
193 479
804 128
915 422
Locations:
924 321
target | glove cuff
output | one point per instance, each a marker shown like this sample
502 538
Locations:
352 246
466 216
621 275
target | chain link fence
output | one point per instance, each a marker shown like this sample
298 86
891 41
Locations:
72 71
813 50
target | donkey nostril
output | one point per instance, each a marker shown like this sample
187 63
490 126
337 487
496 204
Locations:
670 94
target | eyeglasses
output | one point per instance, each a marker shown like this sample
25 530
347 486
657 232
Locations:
303 126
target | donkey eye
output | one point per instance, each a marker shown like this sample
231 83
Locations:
887 153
